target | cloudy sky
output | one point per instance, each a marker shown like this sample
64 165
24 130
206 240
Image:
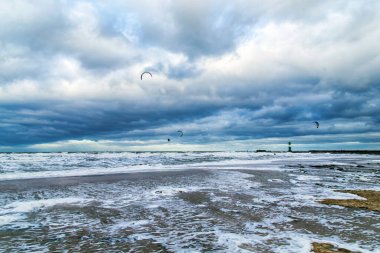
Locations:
232 75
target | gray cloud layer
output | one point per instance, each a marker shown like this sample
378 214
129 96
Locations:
222 71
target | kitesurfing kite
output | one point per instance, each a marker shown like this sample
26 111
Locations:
181 133
144 74
316 124
168 139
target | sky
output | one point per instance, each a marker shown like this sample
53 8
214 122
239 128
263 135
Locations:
232 75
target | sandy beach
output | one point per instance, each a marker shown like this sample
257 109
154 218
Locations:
235 202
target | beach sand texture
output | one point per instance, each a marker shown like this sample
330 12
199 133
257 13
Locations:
328 248
371 201
187 202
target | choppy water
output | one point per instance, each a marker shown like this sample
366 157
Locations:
219 202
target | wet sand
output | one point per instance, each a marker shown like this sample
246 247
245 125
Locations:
329 248
202 210
25 184
371 202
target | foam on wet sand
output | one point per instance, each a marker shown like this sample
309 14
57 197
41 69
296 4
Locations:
236 206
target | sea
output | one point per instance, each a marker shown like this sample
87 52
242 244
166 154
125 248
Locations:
184 202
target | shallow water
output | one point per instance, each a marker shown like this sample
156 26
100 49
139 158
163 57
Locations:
220 202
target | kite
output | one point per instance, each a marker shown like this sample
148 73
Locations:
144 74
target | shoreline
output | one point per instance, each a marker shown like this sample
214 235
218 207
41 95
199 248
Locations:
273 205
347 151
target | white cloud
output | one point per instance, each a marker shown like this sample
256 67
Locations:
223 66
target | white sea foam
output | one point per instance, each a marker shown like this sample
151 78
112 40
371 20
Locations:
170 191
16 210
275 180
308 178
131 224
239 211
45 165
9 218
88 172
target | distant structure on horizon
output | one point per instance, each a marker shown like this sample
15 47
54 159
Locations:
261 150
289 146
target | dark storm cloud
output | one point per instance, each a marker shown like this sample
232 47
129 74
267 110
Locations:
222 71
45 123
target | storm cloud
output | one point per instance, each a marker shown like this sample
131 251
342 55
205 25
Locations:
232 75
